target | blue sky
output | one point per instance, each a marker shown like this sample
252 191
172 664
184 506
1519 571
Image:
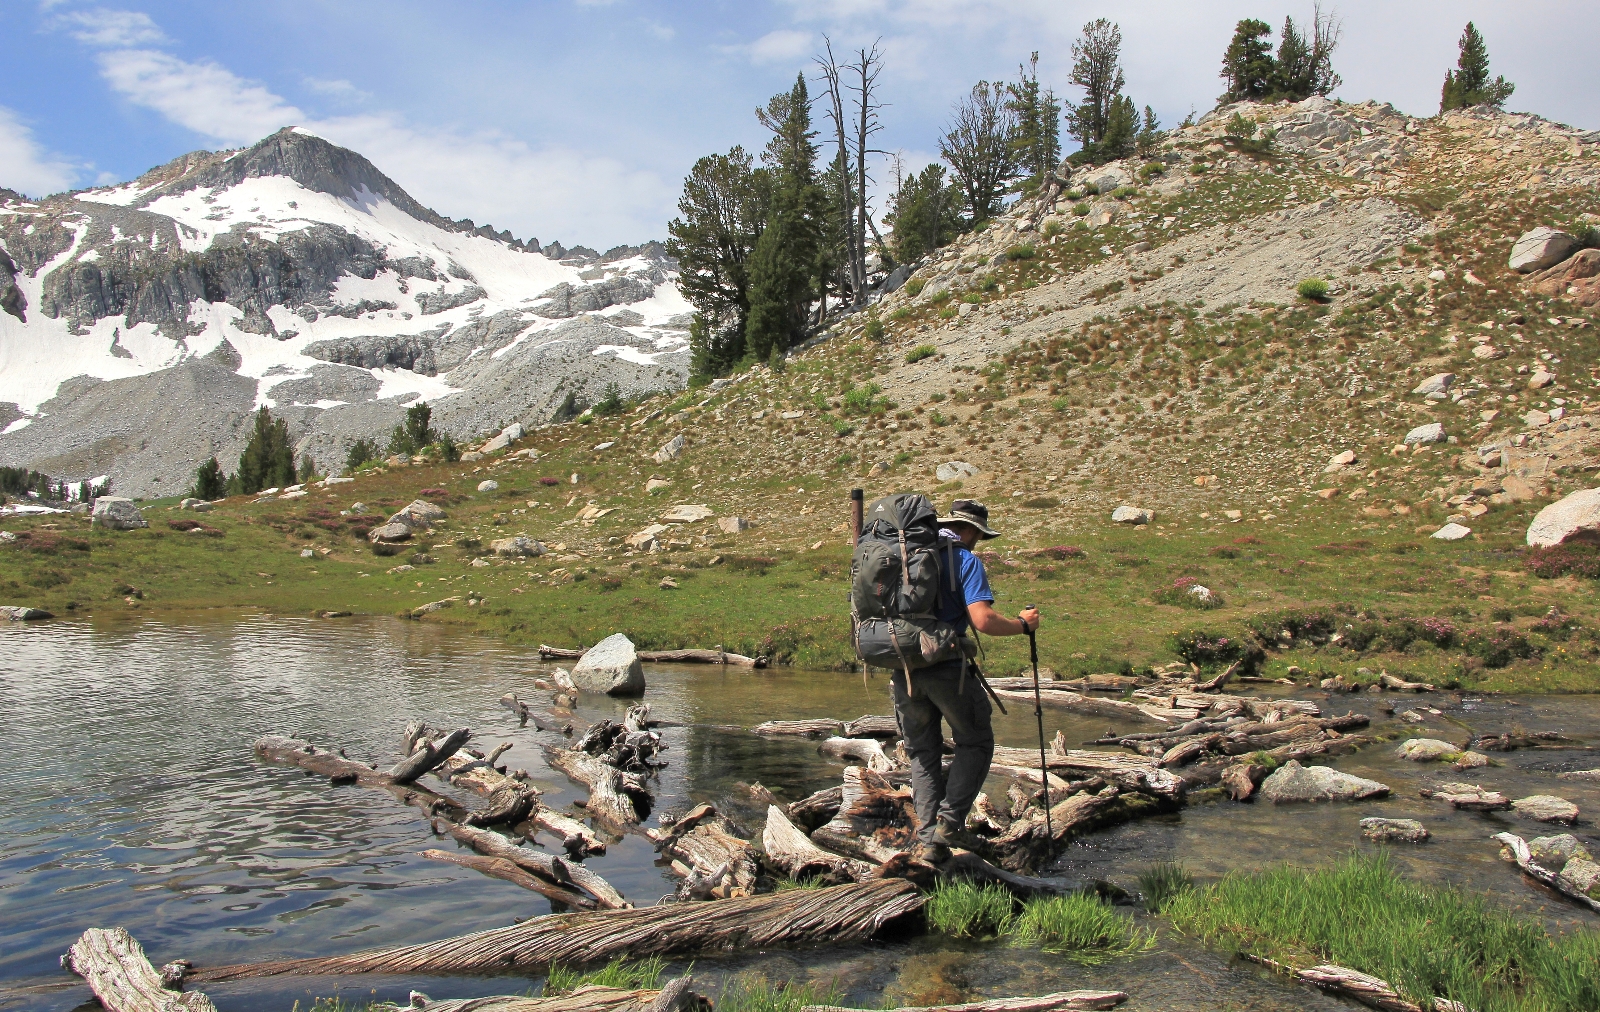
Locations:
577 119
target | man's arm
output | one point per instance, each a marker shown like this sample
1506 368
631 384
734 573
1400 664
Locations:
991 623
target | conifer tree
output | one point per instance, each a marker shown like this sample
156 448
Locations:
416 433
1247 63
209 482
723 211
1037 141
925 213
268 459
786 262
1469 83
978 145
1097 69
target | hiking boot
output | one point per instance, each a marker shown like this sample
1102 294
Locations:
930 853
964 839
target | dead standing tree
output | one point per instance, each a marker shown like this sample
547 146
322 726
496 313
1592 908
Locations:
853 130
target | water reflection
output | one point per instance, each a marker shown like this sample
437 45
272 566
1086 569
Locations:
133 799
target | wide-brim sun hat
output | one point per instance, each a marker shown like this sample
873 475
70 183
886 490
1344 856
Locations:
970 511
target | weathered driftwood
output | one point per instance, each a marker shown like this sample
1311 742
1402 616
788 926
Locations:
835 915
1139 773
1539 873
500 868
675 997
120 975
428 755
873 726
1216 684
866 750
814 810
793 852
614 796
1058 1002
545 720
1026 844
689 656
1241 780
563 873
294 752
1079 703
576 838
874 822
818 728
1370 991
1401 685
707 853
1510 741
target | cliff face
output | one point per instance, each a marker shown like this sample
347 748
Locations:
307 280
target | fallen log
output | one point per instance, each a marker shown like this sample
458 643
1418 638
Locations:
1216 684
544 721
576 838
1371 991
866 750
1044 1003
1135 772
294 752
835 915
1401 685
566 874
874 822
121 976
1079 703
706 852
614 796
873 726
801 728
428 756
1539 873
966 864
496 867
794 853
814 810
672 998
688 656
1027 844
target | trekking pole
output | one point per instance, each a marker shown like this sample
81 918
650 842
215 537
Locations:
1038 716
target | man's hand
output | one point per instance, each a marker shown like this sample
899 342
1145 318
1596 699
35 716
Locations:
1029 619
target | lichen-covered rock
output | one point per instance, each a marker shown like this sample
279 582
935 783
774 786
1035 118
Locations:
1433 432
517 547
1292 782
610 666
1393 830
116 513
1427 750
1546 808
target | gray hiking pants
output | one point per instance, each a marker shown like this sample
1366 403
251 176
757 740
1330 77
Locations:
941 692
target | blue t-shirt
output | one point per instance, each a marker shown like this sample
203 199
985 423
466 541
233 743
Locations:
973 582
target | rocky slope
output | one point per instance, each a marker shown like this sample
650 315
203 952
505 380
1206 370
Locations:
143 323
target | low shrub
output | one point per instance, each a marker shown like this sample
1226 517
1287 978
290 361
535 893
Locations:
1312 289
1562 560
874 329
1498 647
1300 623
1188 592
940 297
1124 192
1061 552
948 313
1043 502
49 543
549 481
903 313
1025 251
1149 169
1207 649
1081 210
920 352
914 286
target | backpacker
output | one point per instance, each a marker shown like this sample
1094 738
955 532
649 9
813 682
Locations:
894 586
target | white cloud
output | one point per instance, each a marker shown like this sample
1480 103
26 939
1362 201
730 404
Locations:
102 27
24 165
779 46
205 97
340 90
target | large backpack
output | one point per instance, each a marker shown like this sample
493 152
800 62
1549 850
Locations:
894 586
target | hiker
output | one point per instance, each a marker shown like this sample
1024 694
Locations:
915 590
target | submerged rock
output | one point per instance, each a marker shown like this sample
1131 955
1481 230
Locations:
19 613
1546 808
610 666
1292 782
1393 830
1424 750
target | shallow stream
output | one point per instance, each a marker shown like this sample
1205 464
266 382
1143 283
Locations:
133 799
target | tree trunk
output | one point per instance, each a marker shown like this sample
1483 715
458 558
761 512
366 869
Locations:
865 749
120 975
802 728
1523 855
500 868
1079 703
676 995
1045 1003
873 726
793 851
578 840
836 915
431 755
875 820
612 793
815 810
706 852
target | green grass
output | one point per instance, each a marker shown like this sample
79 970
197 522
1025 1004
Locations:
921 352
965 910
1426 941
1314 289
1161 882
758 994
633 976
1082 927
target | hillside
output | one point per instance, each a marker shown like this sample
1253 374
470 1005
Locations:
1149 351
144 322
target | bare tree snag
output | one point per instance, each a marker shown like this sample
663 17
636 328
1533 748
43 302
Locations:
792 851
120 975
613 795
832 916
429 756
294 752
567 874
1060 1002
497 867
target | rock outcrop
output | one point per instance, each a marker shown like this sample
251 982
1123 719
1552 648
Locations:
1575 518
